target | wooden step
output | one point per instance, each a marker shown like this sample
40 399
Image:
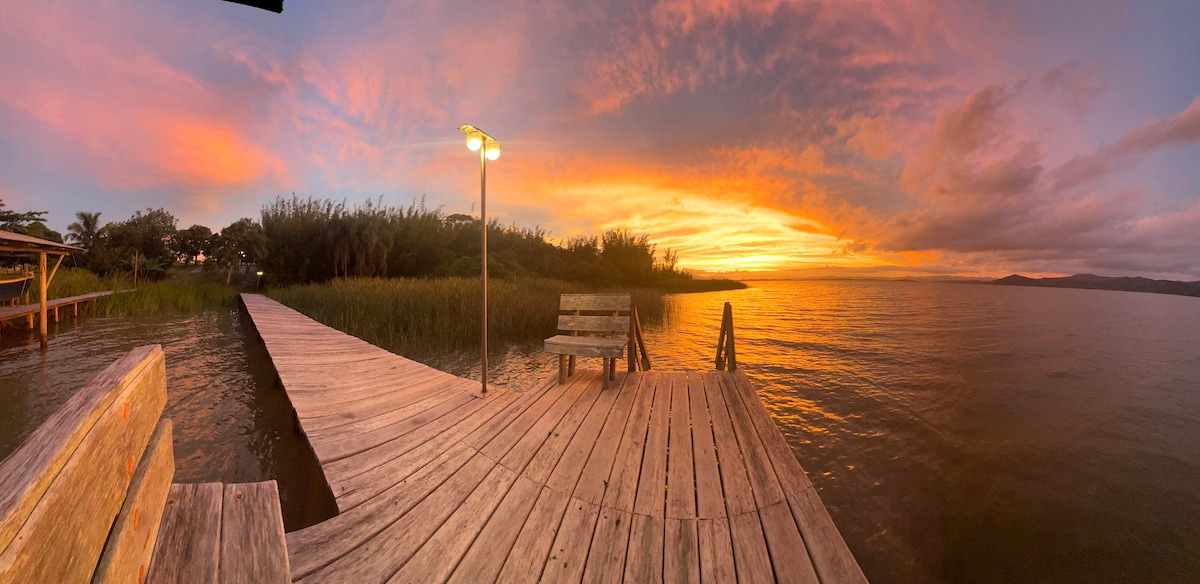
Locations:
222 534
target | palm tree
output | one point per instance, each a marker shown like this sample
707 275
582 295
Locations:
84 231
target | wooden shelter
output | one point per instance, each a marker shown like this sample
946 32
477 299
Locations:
23 244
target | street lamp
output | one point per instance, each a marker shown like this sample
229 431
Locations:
489 149
259 282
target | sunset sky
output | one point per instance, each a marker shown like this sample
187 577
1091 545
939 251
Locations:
875 138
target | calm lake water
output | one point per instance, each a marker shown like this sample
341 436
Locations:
957 433
230 423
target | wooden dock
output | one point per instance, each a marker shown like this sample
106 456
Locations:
29 312
663 477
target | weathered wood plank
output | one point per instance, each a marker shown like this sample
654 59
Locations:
598 324
681 556
507 438
585 346
556 439
189 539
788 553
596 302
753 562
437 557
414 417
315 547
644 560
484 560
27 472
568 555
417 448
716 551
651 493
681 477
593 482
130 545
253 548
606 558
767 490
621 490
830 556
487 430
570 465
91 486
528 555
378 558
738 498
710 499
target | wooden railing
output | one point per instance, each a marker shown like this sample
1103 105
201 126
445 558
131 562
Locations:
637 344
81 498
726 354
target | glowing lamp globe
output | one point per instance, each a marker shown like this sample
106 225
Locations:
474 141
493 150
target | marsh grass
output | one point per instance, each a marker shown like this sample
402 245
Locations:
76 281
167 297
421 317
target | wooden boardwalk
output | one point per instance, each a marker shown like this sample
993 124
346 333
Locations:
30 311
662 477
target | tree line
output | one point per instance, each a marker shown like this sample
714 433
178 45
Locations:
304 240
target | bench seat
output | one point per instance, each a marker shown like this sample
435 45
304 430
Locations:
586 346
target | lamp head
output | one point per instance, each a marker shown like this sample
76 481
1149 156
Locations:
475 136
492 150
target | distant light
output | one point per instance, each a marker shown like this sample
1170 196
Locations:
260 273
493 150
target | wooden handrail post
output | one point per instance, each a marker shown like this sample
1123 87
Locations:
637 322
726 355
631 353
729 350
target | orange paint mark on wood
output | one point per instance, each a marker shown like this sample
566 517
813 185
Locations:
126 411
129 466
137 517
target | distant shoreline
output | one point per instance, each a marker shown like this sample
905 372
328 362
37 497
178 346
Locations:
1078 281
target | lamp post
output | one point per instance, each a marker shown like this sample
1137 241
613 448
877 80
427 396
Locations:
489 149
259 282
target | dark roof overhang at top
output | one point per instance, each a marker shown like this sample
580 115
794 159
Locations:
18 243
273 6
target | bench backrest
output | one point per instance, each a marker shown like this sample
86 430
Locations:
82 495
594 313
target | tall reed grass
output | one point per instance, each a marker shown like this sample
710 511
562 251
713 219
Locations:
167 297
424 316
76 281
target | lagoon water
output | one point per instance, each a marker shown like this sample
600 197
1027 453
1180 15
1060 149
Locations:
957 433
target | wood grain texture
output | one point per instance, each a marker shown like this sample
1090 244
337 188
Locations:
189 539
597 324
596 302
62 538
253 548
585 346
130 546
27 473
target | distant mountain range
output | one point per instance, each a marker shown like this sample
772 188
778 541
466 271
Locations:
1106 283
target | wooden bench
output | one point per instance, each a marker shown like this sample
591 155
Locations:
88 495
600 317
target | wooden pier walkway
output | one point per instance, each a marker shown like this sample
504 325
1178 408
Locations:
30 311
663 477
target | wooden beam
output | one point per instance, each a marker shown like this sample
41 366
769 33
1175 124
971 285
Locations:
42 297
50 280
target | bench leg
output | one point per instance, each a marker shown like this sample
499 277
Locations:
612 368
562 369
571 365
604 372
